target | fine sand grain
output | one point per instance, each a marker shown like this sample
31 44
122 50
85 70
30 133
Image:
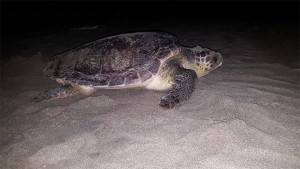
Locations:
245 114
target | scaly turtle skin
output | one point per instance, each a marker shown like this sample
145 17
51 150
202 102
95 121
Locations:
152 60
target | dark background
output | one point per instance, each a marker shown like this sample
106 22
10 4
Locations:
33 18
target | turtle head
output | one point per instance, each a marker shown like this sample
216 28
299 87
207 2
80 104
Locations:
203 60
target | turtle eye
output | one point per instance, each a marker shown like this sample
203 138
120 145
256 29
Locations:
215 59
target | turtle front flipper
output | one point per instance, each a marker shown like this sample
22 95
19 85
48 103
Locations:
181 89
56 93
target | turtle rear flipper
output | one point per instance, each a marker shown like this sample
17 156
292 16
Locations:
56 93
181 90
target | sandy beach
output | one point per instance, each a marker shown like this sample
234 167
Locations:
243 115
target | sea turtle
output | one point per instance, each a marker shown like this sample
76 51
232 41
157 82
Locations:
152 60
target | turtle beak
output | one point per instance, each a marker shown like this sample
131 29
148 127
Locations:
218 59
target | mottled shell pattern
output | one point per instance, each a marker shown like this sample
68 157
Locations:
113 61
